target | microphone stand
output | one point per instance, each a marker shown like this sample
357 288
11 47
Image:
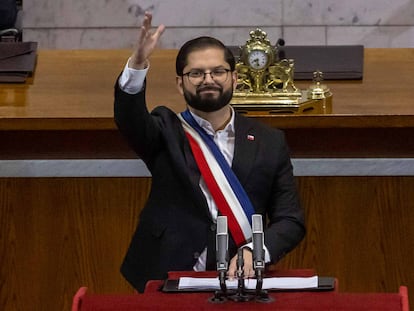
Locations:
261 294
259 257
259 281
222 279
220 295
258 253
240 295
222 258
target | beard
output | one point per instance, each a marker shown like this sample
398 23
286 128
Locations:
208 102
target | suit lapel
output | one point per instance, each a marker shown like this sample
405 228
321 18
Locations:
245 148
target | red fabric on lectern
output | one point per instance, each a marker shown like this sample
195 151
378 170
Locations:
154 299
304 301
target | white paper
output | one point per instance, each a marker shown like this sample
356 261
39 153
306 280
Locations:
268 283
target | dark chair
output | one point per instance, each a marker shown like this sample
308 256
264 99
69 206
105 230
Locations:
10 13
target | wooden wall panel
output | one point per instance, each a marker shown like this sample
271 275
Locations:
57 234
360 230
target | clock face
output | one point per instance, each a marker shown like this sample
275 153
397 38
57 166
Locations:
257 59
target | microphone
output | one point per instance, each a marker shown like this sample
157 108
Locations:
222 244
222 254
258 243
258 255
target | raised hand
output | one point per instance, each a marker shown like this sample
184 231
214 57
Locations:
146 44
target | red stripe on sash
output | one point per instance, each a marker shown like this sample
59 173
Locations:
216 193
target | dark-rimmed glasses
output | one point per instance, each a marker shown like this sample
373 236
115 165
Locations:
196 77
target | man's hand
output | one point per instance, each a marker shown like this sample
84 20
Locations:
248 265
146 44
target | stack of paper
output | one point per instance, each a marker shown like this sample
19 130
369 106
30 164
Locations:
268 283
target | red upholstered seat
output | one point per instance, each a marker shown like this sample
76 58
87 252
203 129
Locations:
404 298
77 299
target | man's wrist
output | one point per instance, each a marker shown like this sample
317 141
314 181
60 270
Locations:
137 66
132 80
248 248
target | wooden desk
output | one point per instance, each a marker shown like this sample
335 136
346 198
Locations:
54 232
73 91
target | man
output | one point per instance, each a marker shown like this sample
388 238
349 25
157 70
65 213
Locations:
206 161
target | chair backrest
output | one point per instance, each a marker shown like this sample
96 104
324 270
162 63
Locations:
77 299
8 14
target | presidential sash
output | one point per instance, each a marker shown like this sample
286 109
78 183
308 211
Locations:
224 186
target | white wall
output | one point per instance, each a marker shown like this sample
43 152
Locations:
112 24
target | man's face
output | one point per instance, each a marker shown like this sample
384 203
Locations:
207 83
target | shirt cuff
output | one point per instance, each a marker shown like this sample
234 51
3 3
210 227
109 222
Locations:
267 254
132 80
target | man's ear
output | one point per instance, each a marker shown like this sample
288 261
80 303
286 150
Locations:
234 77
179 84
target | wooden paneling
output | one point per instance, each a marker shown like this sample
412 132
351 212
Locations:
392 142
360 230
58 234
76 144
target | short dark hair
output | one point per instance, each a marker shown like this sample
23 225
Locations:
199 44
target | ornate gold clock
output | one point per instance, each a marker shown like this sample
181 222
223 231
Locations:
265 82
258 53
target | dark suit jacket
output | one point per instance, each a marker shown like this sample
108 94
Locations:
175 225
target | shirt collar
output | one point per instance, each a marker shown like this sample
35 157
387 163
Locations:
229 128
